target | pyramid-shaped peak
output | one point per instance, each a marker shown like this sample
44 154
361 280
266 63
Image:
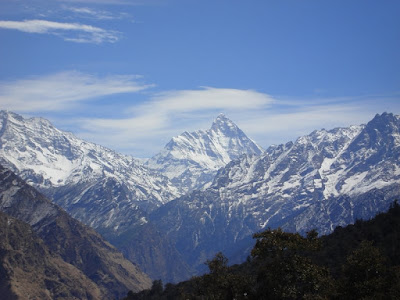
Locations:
223 123
222 118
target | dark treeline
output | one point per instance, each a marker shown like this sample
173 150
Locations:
359 261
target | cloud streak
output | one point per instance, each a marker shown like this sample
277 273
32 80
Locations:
149 125
265 119
161 111
167 114
73 32
91 13
63 90
114 2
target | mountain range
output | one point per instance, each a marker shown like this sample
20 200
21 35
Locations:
209 190
320 181
108 191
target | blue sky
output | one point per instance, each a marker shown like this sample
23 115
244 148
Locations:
129 75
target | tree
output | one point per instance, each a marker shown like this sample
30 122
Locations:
221 283
365 274
156 288
218 265
285 272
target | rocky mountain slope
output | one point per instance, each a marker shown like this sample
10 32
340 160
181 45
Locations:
191 160
108 191
30 271
84 251
323 180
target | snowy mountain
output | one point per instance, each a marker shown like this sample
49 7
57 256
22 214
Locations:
323 180
110 192
82 174
191 160
67 253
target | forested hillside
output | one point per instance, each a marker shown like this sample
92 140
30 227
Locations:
359 261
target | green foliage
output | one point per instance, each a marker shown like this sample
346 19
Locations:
221 282
156 288
365 274
276 244
218 265
284 272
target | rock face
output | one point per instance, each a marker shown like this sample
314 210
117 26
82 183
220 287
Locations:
76 248
191 160
30 271
323 180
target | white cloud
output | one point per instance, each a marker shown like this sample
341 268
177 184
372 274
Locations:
281 126
114 2
165 108
149 125
209 98
62 90
265 119
91 13
168 114
74 32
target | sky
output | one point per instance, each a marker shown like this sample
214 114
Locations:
131 74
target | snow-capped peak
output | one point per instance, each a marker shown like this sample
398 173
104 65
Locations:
192 159
224 124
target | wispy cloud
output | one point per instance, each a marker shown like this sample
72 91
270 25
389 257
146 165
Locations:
167 114
73 32
265 119
147 126
90 13
291 118
114 2
163 109
207 98
63 90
